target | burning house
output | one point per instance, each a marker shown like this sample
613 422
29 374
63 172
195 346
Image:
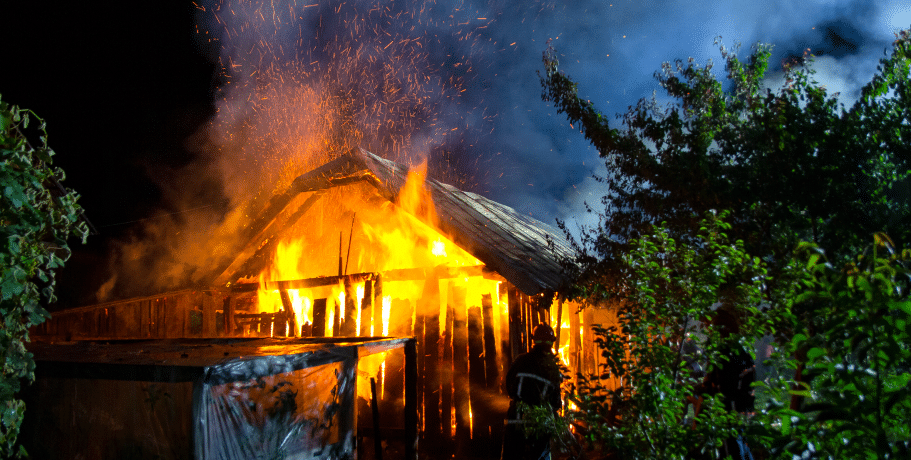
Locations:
364 247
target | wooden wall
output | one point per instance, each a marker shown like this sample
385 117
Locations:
463 356
181 314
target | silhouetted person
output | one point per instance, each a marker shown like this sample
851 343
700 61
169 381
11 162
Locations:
733 380
534 378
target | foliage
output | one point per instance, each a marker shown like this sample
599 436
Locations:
856 380
37 216
659 353
790 164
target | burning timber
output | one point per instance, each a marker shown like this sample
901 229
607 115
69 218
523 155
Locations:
364 247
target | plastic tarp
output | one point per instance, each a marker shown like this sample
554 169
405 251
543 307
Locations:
215 399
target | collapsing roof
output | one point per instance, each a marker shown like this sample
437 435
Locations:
525 251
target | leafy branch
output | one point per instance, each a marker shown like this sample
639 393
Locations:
37 217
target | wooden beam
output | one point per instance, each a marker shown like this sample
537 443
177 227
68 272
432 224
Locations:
406 274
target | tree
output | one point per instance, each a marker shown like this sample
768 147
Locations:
857 349
659 352
37 217
790 164
791 168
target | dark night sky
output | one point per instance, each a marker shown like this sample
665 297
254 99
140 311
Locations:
121 86
127 88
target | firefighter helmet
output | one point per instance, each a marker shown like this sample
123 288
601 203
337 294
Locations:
543 333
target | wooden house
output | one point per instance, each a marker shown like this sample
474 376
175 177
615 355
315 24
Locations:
365 247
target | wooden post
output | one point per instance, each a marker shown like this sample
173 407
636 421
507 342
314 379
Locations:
394 382
446 376
480 433
336 318
366 309
516 326
460 370
530 321
547 300
505 350
182 310
340 271
349 325
347 415
411 412
575 345
228 309
491 371
287 316
492 360
429 349
319 318
588 345
420 325
208 316
378 306
559 327
377 442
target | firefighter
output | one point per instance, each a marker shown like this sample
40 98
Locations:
534 378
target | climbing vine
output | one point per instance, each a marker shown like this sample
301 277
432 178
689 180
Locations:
37 218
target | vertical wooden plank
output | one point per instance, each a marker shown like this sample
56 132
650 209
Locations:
136 326
446 377
208 316
401 312
229 304
99 321
347 414
378 307
411 423
349 325
516 326
142 320
366 309
283 317
460 369
530 321
419 331
480 419
319 318
505 350
544 306
336 317
183 310
491 370
161 322
575 345
430 349
588 345
150 318
559 324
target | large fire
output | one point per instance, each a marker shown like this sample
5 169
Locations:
402 273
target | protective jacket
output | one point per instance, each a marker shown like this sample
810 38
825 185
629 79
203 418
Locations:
534 379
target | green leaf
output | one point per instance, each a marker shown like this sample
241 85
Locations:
814 353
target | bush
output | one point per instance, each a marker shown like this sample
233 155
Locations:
37 216
850 354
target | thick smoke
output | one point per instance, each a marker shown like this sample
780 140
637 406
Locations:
455 83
